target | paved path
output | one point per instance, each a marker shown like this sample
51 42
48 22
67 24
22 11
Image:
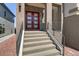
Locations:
70 52
8 47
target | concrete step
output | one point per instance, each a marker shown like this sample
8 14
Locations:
34 32
32 40
37 42
36 38
51 51
35 35
55 54
38 48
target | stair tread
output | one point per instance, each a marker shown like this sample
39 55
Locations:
43 53
36 37
33 31
37 42
55 54
38 47
32 40
34 34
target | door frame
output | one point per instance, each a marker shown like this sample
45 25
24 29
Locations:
32 25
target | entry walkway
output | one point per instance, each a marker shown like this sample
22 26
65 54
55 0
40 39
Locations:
8 47
70 52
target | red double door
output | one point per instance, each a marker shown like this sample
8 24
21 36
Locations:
32 21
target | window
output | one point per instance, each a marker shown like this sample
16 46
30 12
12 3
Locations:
19 7
2 29
4 13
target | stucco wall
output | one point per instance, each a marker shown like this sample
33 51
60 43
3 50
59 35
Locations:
70 25
20 16
9 26
71 31
77 5
68 7
49 17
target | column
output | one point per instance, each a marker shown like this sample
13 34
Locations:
49 17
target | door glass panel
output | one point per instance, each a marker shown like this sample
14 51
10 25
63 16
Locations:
35 22
29 22
35 18
28 26
29 17
35 26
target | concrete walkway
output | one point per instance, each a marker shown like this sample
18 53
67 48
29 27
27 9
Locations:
8 47
70 52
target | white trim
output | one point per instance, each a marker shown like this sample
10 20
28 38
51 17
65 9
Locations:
59 45
21 46
5 37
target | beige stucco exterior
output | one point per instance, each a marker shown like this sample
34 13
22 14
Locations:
71 31
20 18
70 25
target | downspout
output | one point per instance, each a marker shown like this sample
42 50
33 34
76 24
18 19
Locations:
62 18
63 37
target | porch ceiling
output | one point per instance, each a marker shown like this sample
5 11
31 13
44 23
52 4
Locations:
38 5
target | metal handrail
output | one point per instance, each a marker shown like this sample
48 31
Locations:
18 43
